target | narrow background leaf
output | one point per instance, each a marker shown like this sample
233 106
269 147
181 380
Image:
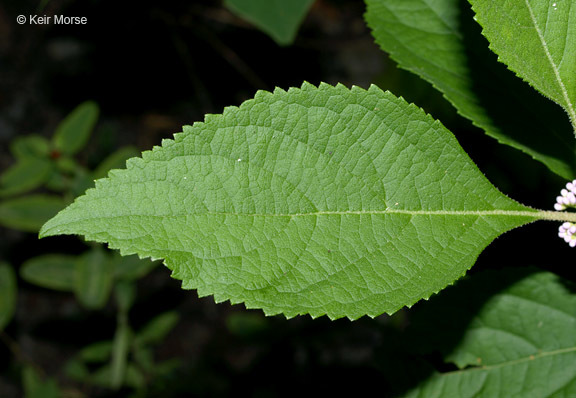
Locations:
25 175
73 132
94 277
28 213
278 18
52 271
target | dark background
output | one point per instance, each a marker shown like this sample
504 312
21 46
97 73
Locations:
154 66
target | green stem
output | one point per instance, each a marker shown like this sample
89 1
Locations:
556 216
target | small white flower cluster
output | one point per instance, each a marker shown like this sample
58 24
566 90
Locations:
568 198
567 231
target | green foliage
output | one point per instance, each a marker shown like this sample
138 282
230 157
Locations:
535 40
441 43
332 201
8 291
333 206
29 213
278 18
74 131
510 333
46 165
52 271
29 173
36 386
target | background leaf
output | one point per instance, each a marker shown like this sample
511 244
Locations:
316 200
36 386
28 173
94 277
440 42
157 328
279 19
30 212
52 271
537 40
30 146
73 132
510 333
8 292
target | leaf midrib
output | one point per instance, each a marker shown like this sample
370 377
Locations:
529 358
570 107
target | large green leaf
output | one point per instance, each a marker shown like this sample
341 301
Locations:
316 200
278 18
511 333
537 40
440 42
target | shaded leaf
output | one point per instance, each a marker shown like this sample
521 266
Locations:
8 294
94 277
131 267
312 201
30 146
537 40
52 271
36 386
73 132
28 173
97 352
28 213
157 328
440 42
278 18
120 349
510 332
125 292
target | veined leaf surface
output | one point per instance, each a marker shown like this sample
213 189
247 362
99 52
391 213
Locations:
511 333
440 42
537 40
312 201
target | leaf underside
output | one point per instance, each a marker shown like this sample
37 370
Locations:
440 42
328 200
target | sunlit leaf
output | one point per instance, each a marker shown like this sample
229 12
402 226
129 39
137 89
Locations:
312 201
